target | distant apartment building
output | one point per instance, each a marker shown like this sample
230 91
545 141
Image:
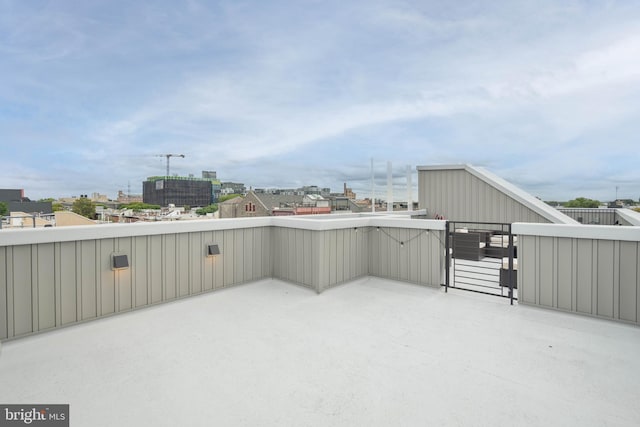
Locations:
128 198
264 204
232 188
216 185
176 190
302 191
348 192
17 202
99 198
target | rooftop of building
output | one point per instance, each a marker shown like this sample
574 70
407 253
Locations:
372 352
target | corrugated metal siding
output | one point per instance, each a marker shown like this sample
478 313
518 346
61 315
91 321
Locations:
320 259
47 285
419 260
293 257
460 196
588 276
594 216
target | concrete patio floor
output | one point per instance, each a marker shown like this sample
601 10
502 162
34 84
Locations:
372 352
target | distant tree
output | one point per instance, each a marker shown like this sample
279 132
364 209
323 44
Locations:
57 207
4 209
85 207
207 209
636 209
582 202
139 206
49 199
228 197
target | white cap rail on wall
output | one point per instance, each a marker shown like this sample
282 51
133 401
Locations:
106 231
599 232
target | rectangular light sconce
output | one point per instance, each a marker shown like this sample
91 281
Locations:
120 262
213 250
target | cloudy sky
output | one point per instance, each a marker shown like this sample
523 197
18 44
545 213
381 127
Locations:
276 93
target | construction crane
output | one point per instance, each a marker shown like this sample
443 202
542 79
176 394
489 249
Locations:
168 156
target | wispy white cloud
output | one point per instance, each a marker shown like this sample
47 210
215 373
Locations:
512 85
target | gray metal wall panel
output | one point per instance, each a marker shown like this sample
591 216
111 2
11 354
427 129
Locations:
293 248
46 290
565 268
156 270
278 253
248 265
590 276
363 252
9 290
20 281
51 284
106 284
637 284
123 278
389 259
307 258
68 295
256 254
3 293
209 262
629 281
545 277
169 267
413 260
339 256
331 242
183 266
140 260
315 255
218 261
584 276
197 261
605 277
461 196
228 262
527 277
436 252
238 256
87 279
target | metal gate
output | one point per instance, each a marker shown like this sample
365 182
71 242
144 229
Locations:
481 257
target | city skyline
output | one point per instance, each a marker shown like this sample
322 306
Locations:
287 94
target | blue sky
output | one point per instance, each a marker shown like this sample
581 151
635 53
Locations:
546 94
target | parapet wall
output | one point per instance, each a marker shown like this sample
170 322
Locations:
55 277
585 269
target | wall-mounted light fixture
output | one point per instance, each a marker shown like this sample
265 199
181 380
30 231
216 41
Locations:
213 250
355 229
119 262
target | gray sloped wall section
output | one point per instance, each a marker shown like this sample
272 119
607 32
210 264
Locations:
467 193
